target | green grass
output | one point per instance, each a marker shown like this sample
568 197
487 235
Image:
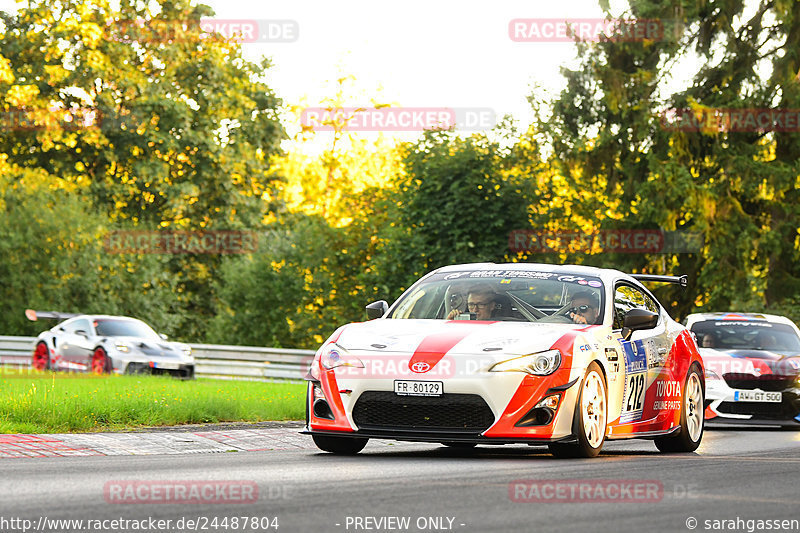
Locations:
46 402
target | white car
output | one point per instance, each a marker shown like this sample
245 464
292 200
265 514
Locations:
103 344
752 363
564 356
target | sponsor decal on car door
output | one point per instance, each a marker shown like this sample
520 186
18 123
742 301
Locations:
635 381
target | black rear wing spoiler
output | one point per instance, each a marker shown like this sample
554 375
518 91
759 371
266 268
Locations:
54 315
683 281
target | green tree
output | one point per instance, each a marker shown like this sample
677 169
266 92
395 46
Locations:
457 202
163 125
612 133
306 279
53 258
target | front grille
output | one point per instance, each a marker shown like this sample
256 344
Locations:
768 382
383 410
786 410
183 372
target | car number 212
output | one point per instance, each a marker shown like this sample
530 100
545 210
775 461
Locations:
635 392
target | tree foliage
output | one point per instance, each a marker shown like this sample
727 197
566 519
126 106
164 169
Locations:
457 202
132 117
53 258
613 133
158 124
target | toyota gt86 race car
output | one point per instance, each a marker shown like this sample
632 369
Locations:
564 356
752 364
103 344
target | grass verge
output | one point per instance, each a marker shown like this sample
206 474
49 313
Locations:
46 402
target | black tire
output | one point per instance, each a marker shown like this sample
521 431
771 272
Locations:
586 445
460 445
340 445
688 437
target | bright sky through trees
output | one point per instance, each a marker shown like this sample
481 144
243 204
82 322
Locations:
447 53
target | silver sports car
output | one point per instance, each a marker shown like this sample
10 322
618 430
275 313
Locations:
103 344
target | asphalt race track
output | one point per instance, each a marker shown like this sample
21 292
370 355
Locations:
740 476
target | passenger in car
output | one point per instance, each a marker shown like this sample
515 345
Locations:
767 341
584 308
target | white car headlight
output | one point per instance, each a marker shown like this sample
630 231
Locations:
335 356
122 347
186 351
536 364
710 374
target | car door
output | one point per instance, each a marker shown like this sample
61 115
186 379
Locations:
645 352
77 342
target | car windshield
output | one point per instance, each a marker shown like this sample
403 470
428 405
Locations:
507 295
746 335
124 328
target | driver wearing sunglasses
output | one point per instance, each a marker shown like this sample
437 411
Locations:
584 308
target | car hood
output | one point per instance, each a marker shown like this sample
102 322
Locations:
452 337
151 347
751 361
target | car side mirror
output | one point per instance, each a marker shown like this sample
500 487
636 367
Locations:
163 336
377 309
638 319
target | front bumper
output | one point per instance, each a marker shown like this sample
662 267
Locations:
180 371
439 437
486 409
724 403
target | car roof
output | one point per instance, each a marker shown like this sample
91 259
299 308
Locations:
735 316
604 273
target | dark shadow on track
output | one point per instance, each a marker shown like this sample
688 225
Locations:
730 426
485 452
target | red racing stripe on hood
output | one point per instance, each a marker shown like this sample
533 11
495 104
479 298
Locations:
434 347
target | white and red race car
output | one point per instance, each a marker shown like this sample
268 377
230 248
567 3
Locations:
564 356
752 363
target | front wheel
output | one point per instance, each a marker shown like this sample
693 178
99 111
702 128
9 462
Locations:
589 426
100 363
688 437
340 445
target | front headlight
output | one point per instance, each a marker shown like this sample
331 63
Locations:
122 347
536 364
710 374
335 356
186 351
